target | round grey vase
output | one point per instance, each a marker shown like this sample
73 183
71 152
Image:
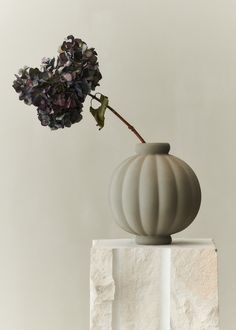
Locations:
154 194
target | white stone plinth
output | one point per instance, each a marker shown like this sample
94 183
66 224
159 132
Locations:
137 287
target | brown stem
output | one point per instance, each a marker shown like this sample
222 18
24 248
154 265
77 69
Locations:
121 118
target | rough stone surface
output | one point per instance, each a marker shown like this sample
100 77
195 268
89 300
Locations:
102 289
194 289
137 287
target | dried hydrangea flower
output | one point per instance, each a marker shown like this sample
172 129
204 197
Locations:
59 88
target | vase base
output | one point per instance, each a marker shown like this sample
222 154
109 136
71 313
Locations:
153 240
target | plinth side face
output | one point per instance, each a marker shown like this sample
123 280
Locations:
154 193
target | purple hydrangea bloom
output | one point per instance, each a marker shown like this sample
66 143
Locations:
59 88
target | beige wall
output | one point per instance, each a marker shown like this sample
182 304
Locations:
170 67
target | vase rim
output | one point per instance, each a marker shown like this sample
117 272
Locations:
152 148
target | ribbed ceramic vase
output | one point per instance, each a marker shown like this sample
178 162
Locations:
154 194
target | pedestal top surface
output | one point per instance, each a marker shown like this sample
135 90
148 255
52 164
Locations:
176 243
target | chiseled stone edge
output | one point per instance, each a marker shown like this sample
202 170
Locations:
102 289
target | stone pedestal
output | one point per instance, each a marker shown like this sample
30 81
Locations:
134 287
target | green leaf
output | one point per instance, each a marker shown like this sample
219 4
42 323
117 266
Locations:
99 113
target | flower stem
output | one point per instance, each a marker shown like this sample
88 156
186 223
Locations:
121 118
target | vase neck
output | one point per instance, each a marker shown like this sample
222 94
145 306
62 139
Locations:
152 148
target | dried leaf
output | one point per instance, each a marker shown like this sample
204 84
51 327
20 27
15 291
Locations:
99 113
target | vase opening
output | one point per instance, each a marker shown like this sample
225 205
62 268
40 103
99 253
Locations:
152 148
